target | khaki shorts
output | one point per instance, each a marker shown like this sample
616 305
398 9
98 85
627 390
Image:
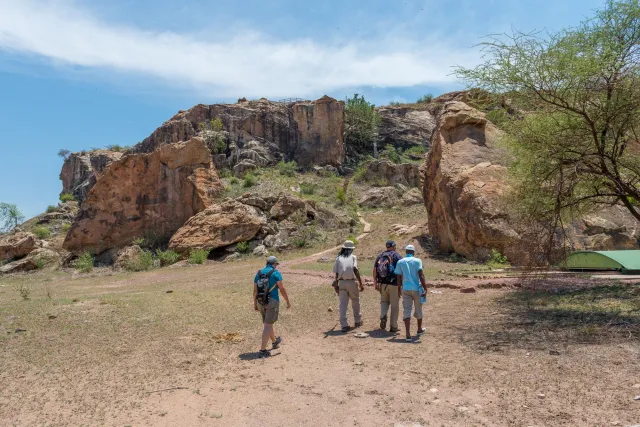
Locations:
269 312
411 299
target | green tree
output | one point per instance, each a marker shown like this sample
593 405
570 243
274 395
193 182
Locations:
361 123
10 216
64 153
575 101
425 99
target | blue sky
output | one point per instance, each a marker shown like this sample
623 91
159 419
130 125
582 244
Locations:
79 74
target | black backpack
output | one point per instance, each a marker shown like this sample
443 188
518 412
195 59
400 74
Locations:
263 287
385 271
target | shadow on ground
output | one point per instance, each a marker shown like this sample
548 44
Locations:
554 313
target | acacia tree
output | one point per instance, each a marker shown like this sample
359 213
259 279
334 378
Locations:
576 93
10 216
361 123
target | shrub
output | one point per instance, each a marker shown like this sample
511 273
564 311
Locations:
394 103
39 263
249 180
51 208
142 261
308 188
198 256
416 151
66 197
24 291
234 181
341 196
287 168
168 257
305 237
10 216
361 173
41 232
243 247
119 148
496 259
64 153
84 263
225 173
454 257
425 99
139 241
353 238
390 152
66 227
216 124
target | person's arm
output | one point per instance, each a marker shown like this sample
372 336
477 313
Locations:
423 282
284 293
255 296
357 273
399 278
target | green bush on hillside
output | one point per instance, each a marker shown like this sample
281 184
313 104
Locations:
142 261
42 232
198 256
66 197
287 168
425 99
168 257
249 180
84 263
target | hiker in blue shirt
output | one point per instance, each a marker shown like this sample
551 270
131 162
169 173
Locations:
411 286
267 286
385 282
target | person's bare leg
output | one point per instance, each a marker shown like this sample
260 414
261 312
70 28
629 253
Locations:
273 334
407 326
419 324
266 334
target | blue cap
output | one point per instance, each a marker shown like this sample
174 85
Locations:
272 260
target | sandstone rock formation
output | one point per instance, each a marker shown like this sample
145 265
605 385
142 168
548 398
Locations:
18 245
392 173
39 258
145 194
218 226
464 179
309 132
381 197
79 170
405 127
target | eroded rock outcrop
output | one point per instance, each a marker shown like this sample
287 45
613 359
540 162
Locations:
145 194
405 127
309 132
464 179
79 171
17 245
391 173
218 226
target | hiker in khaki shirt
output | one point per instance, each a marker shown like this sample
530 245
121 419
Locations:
346 270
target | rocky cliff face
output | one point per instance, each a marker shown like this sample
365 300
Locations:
405 127
79 170
309 132
147 194
464 179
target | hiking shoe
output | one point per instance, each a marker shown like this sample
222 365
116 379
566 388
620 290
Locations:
276 343
383 323
393 330
358 324
263 354
346 329
422 331
408 339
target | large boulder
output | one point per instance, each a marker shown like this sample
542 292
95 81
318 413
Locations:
37 259
392 173
405 127
309 132
218 226
17 245
145 194
381 197
464 181
286 205
79 171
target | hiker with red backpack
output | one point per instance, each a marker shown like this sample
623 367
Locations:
267 286
386 282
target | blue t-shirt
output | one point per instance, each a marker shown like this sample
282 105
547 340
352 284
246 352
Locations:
273 279
408 268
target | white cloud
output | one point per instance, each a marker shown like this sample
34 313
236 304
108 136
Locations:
250 66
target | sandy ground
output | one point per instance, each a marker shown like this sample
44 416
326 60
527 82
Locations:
144 350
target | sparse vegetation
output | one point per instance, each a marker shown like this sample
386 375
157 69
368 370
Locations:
425 99
10 216
243 247
213 136
308 188
198 256
168 257
234 180
66 227
455 258
24 291
64 153
51 208
497 260
66 197
142 261
249 180
341 196
305 237
287 168
84 263
118 148
138 241
395 103
42 232
391 153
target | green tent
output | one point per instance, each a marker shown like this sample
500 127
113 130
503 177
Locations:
623 261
